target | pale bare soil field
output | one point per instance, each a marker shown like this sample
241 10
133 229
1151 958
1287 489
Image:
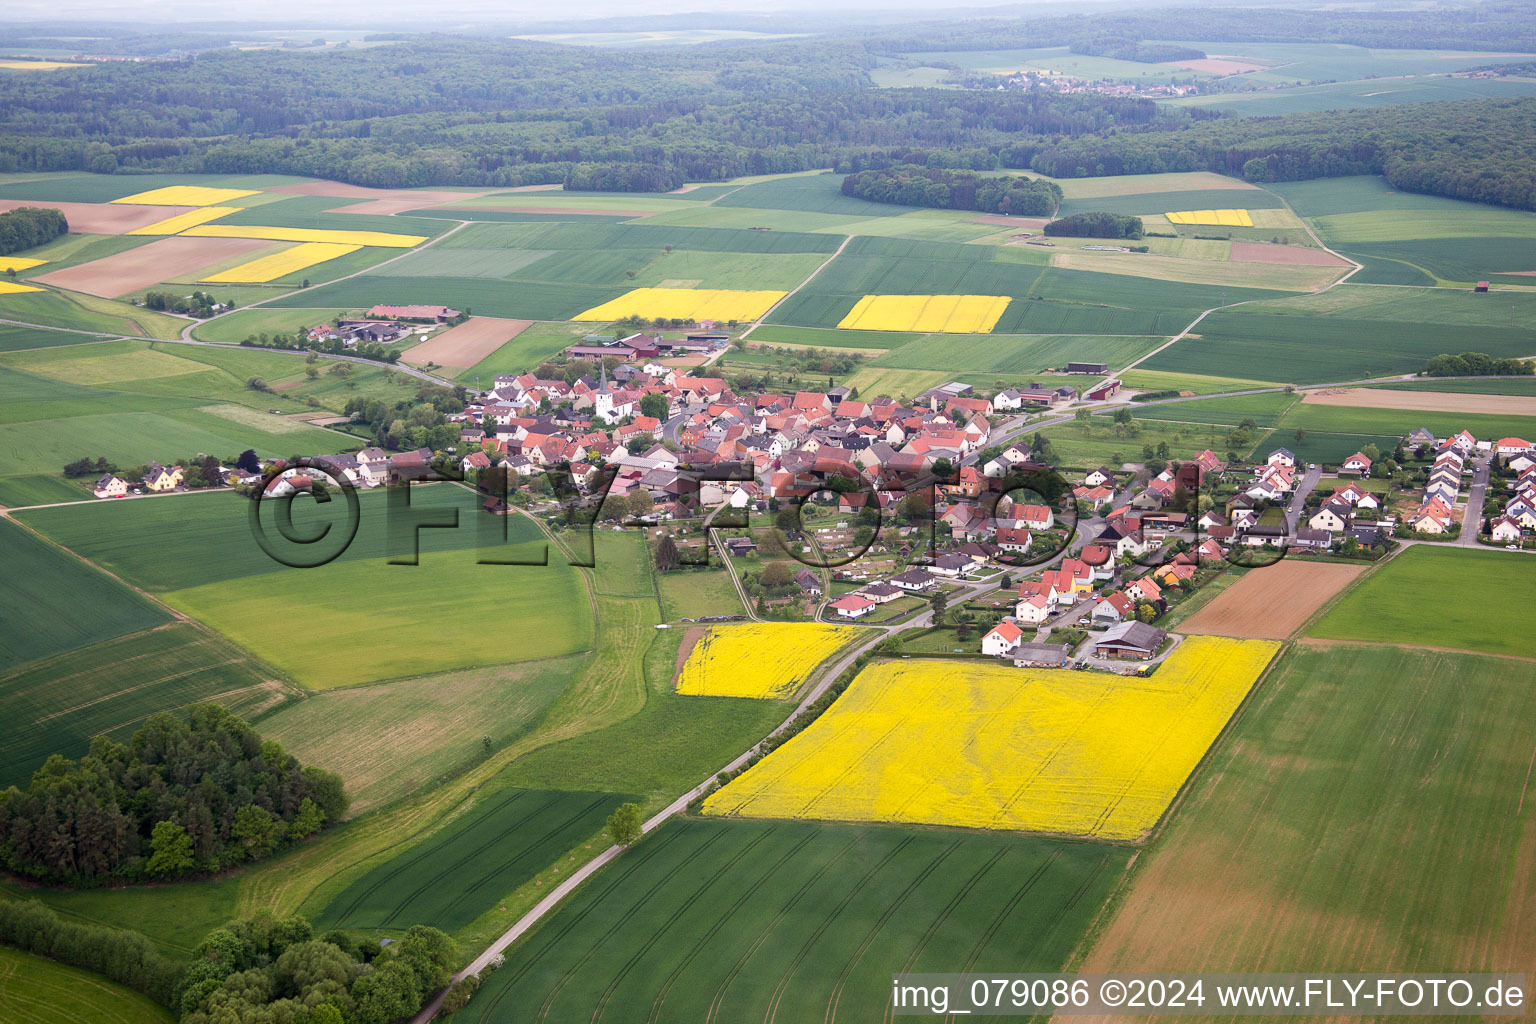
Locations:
1423 401
1217 65
103 218
168 258
1273 602
381 201
1295 255
468 343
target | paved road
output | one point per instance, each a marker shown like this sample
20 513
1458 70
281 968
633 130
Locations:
1298 500
1472 518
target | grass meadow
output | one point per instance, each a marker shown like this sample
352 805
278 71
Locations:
1368 807
1472 600
741 920
39 991
691 594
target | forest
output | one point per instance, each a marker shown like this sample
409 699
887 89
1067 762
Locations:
910 185
183 796
1480 150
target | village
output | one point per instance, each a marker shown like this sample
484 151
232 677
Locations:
825 505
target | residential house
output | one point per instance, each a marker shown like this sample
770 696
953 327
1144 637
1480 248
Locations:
852 606
1333 516
1356 464
1505 529
1281 457
1002 640
161 478
880 593
1116 607
950 565
1012 539
110 486
914 581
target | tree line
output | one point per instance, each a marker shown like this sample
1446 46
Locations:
911 185
1121 48
258 970
1477 364
29 226
183 796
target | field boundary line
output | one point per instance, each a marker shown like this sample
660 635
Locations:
796 290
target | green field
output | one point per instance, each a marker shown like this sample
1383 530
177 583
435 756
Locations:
1325 448
1311 349
242 323
103 188
38 991
1370 93
813 193
363 631
747 920
1501 386
420 731
451 877
53 602
1366 809
16 491
1199 384
1265 410
1096 443
77 311
992 353
13 339
1471 600
1349 420
696 592
57 705
769 334
668 745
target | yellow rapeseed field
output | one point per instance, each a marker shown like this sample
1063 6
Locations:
381 238
12 288
1226 218
761 659
185 195
18 263
685 304
947 314
191 219
37 65
279 264
986 745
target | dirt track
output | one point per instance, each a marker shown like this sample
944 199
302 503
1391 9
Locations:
164 260
1273 602
103 218
468 343
1423 401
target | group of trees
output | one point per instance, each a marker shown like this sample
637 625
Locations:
329 346
269 969
624 177
421 422
199 304
911 185
29 226
1096 224
183 796
1122 48
1477 364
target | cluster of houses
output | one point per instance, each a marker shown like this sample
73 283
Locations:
157 480
1519 514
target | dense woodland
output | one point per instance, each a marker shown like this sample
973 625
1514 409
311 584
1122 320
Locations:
183 796
27 226
1096 224
1121 48
910 185
1481 150
451 110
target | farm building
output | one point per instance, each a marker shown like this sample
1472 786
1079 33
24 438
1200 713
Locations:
1087 367
1135 640
1040 656
1104 392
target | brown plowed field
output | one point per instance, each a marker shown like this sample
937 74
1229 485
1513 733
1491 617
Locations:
378 201
163 260
1294 255
468 343
1272 603
103 218
1423 401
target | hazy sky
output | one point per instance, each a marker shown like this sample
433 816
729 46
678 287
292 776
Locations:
367 12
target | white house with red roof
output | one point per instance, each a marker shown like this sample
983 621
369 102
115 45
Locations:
1002 640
